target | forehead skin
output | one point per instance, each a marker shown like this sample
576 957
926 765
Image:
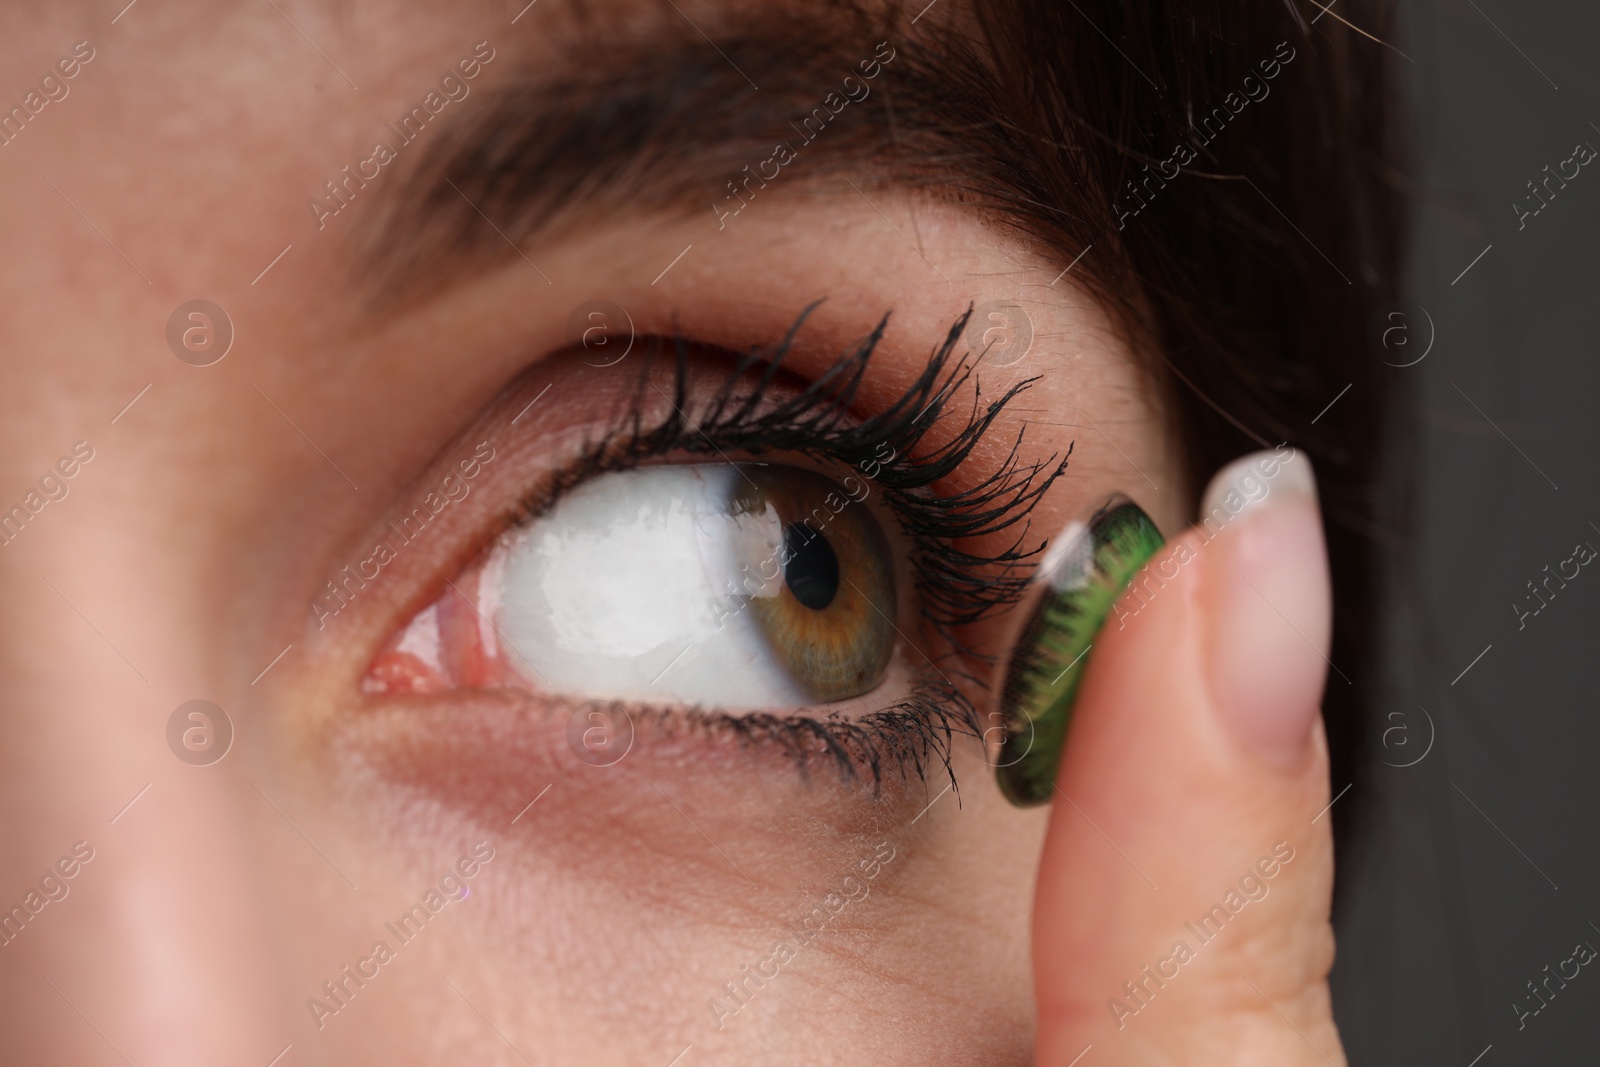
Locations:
179 165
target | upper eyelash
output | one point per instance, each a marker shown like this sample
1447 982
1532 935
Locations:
957 588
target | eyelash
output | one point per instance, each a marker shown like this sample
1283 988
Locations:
956 588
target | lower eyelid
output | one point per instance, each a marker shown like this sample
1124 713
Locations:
863 740
487 754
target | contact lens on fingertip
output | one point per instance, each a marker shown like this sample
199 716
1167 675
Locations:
1083 572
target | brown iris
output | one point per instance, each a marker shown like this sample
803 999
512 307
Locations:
829 619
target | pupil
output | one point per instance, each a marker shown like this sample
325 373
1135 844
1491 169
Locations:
812 572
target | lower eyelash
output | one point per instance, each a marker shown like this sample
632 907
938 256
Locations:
911 736
956 588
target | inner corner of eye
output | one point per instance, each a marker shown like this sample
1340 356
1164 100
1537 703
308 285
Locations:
737 586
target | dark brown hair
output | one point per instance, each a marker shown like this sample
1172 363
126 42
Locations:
1252 279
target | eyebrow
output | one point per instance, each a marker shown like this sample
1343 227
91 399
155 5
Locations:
664 123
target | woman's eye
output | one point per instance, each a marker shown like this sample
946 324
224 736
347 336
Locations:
733 585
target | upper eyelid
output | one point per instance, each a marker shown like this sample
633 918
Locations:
820 418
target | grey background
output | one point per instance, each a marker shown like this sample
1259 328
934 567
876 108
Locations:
1481 863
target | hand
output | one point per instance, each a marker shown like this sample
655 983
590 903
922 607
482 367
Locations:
1181 915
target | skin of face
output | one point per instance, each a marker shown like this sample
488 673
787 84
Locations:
181 564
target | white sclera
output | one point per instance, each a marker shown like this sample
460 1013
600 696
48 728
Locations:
636 585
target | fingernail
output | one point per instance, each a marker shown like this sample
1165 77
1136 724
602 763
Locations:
1267 600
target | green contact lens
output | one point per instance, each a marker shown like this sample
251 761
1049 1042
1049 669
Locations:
1082 575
